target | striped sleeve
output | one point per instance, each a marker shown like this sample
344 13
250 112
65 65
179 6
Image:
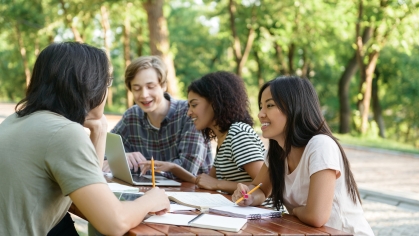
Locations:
246 145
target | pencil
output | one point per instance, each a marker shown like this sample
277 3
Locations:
153 179
251 191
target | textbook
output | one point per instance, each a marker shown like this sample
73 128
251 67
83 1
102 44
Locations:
202 220
247 212
201 201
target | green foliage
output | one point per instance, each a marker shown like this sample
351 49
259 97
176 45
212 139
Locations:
316 36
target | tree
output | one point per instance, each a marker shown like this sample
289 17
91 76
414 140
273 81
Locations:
159 40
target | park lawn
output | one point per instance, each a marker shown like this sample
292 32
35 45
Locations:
377 142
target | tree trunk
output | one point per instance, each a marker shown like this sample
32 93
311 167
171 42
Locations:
240 57
378 116
140 41
304 68
369 75
291 50
344 82
106 28
127 50
159 40
22 50
259 71
283 70
69 21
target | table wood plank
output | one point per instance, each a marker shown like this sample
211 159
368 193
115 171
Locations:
278 229
171 230
254 230
307 230
325 229
144 230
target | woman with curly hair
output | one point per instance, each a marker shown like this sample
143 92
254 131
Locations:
219 107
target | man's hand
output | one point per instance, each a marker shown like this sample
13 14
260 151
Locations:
159 166
134 159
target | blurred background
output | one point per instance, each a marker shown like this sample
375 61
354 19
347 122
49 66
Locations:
361 56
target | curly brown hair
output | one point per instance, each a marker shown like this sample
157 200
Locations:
227 94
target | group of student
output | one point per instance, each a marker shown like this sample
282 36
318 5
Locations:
48 160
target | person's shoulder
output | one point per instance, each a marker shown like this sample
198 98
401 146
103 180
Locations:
240 127
134 111
321 140
180 105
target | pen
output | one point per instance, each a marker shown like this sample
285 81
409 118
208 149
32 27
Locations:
195 218
251 191
153 178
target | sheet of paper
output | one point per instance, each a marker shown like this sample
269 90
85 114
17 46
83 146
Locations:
178 207
206 200
185 193
170 219
219 222
115 187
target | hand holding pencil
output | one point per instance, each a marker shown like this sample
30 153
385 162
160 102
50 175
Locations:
153 177
242 191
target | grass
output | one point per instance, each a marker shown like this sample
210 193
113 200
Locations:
377 142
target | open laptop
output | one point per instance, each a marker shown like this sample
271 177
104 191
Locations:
115 153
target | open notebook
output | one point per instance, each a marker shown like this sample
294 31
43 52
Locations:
206 221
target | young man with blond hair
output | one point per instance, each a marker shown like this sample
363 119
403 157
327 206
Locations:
158 125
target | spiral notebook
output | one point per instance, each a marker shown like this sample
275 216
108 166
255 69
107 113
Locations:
247 212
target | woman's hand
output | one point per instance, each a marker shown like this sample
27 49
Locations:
240 192
206 182
159 166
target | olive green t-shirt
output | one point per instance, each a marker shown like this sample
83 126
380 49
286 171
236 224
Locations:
43 158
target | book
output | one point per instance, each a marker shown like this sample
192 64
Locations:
198 200
115 187
247 212
206 221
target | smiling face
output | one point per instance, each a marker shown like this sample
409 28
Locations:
147 91
200 111
272 119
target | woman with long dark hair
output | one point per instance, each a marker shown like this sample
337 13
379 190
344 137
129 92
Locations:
306 168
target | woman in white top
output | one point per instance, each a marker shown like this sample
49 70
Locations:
305 167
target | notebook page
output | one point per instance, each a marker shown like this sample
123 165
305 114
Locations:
202 200
170 219
219 222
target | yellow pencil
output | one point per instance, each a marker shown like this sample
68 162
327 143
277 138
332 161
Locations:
251 191
153 179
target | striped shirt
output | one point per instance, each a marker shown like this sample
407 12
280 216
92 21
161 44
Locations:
176 141
241 146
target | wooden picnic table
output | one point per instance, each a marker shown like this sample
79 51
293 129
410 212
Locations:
287 225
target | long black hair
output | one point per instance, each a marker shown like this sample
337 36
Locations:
297 99
69 79
226 93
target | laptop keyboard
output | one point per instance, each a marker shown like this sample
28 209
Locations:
141 179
